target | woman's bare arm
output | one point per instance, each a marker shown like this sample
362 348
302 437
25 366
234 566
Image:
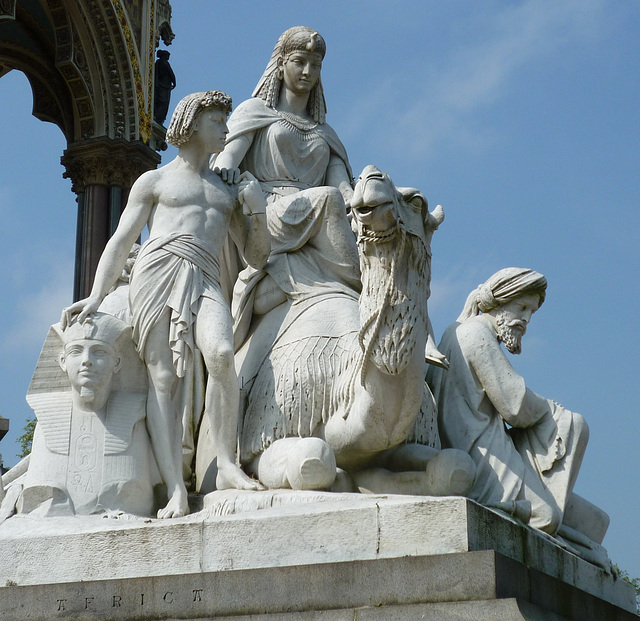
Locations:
227 163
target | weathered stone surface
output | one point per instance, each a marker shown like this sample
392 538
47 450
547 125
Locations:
339 552
527 449
91 451
473 585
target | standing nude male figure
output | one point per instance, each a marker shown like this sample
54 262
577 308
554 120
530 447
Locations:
175 296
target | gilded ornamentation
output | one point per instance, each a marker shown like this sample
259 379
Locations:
144 103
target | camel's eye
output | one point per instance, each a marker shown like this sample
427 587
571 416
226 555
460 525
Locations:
417 203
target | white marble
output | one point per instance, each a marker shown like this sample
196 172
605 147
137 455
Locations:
91 450
530 467
357 362
178 309
252 530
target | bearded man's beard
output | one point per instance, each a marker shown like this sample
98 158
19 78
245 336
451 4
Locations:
510 331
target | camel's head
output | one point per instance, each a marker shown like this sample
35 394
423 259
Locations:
375 203
379 208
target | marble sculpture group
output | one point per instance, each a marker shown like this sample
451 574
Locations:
274 331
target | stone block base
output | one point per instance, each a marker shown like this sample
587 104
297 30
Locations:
328 559
479 586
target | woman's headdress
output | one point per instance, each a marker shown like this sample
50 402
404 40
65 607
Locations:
296 39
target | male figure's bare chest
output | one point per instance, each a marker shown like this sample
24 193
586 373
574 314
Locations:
180 190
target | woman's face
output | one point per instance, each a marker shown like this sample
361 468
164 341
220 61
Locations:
301 72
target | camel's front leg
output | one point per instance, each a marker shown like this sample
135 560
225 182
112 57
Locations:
418 470
380 414
296 463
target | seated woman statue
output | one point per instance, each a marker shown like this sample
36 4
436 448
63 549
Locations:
296 320
281 137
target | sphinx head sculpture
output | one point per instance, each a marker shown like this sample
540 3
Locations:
90 359
91 452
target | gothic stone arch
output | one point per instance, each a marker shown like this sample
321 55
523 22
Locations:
90 66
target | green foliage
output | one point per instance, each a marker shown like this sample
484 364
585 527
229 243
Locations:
634 582
26 438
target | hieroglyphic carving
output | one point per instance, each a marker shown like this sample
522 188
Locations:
91 451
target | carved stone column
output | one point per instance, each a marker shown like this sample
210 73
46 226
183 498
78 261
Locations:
102 171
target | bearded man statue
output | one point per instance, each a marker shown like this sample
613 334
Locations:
527 449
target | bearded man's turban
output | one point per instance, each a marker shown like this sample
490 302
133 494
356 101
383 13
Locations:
506 285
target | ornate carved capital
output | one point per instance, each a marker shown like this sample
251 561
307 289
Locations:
7 9
104 161
164 23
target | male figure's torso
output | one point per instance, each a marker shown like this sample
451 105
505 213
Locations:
193 204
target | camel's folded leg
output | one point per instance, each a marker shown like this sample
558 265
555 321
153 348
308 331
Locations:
296 463
419 470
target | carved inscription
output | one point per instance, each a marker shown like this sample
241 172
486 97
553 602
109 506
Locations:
102 603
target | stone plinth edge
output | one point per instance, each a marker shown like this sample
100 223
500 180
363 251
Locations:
274 533
474 585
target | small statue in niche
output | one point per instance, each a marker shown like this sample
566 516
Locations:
527 449
91 451
164 83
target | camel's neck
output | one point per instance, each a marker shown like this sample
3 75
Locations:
393 303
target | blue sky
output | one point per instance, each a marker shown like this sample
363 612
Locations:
520 118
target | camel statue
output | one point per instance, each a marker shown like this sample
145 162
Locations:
317 399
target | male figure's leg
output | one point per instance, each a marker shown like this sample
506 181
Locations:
214 337
163 422
561 479
545 513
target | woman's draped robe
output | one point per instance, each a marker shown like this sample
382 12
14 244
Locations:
291 157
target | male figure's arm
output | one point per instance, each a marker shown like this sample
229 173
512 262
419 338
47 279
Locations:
134 217
506 389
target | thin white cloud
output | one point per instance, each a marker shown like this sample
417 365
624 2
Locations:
525 33
445 98
450 289
38 310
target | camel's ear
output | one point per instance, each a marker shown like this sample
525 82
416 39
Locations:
436 217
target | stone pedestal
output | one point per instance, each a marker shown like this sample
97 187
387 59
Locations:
321 557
